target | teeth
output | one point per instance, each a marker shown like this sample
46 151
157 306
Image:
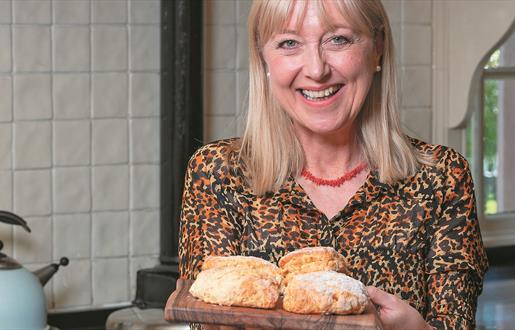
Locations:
320 94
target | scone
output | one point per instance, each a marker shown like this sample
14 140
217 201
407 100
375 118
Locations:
250 264
253 263
311 259
325 292
238 281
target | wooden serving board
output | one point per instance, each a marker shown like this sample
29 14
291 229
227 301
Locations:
183 307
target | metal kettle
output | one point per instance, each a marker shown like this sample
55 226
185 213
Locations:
22 300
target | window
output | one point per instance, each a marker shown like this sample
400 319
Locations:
490 136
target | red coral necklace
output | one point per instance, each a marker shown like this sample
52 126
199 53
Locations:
334 182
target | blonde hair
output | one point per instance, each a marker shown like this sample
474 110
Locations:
269 148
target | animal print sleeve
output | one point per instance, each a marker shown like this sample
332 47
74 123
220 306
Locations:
456 262
206 228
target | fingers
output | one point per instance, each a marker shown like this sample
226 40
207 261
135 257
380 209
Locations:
380 297
394 312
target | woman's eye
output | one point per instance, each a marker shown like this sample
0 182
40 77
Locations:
339 40
288 44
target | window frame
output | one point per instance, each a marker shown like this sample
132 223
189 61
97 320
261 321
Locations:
462 33
499 228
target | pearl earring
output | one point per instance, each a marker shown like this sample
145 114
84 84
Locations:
268 74
378 68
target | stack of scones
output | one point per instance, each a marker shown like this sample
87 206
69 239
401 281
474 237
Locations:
312 281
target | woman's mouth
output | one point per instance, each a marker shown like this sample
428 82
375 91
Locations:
320 95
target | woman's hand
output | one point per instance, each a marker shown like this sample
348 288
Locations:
396 313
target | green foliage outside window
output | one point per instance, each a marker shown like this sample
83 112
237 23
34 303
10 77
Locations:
491 110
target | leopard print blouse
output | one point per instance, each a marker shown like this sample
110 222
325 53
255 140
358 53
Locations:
418 238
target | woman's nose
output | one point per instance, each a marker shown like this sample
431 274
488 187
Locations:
315 65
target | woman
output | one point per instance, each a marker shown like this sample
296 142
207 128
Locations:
323 162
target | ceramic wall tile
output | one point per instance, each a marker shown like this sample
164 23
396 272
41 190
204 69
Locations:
220 45
416 86
71 48
110 187
72 191
32 144
72 236
145 186
145 11
110 234
71 12
145 133
414 122
393 10
5 146
110 95
35 246
110 280
72 285
144 233
109 11
5 12
71 96
5 45
32 97
72 142
220 12
32 12
242 61
31 48
220 89
243 9
417 44
110 48
398 42
6 197
220 127
145 48
110 141
417 11
144 94
32 192
6 99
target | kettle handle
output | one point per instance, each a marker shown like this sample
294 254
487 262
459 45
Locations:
13 219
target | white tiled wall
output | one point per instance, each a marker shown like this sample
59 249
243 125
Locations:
415 71
226 68
79 142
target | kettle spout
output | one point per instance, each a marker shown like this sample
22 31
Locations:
45 274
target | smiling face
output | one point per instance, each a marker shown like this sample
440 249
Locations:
320 74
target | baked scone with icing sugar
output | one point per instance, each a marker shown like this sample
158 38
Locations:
254 263
311 259
325 292
238 281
